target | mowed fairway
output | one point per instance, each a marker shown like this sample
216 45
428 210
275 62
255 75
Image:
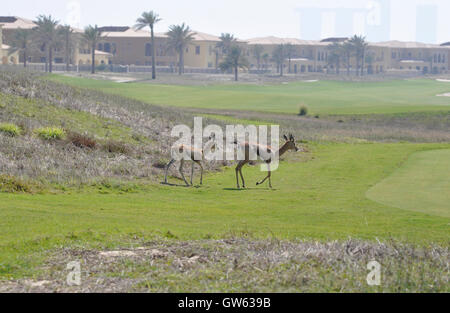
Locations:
422 184
323 97
321 198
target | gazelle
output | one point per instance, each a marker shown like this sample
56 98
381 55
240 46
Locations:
262 150
192 152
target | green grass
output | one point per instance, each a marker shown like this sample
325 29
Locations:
323 198
10 129
422 184
324 97
50 133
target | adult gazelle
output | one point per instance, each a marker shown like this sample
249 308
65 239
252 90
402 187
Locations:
262 150
191 154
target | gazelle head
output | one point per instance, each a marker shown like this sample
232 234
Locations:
212 142
290 142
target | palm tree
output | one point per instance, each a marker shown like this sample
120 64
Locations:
359 45
278 56
22 42
235 59
47 34
336 51
149 19
265 58
66 32
348 49
180 36
257 53
226 42
290 52
92 35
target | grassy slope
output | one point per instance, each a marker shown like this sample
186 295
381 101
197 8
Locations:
323 198
324 97
49 115
421 184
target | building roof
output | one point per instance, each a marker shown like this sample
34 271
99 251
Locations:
271 40
130 32
405 44
199 36
14 22
126 32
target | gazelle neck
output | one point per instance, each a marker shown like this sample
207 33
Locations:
283 149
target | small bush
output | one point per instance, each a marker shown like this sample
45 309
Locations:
11 184
81 141
50 133
303 111
10 129
116 147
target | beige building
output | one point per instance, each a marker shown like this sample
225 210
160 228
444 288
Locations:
124 45
133 47
7 54
312 56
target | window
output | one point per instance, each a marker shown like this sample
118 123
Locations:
100 47
394 55
107 47
197 50
148 49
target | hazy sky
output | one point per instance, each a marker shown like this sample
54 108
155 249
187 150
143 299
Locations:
254 18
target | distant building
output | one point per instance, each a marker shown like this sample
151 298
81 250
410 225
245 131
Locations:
7 55
123 45
312 56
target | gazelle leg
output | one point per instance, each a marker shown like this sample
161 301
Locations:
237 177
180 169
238 169
242 176
239 172
267 177
201 171
167 169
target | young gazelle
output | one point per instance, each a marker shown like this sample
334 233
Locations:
192 152
261 151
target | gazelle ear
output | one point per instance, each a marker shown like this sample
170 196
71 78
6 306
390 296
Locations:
285 138
291 137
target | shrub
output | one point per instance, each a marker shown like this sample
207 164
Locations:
10 129
81 141
303 111
115 147
51 133
11 184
